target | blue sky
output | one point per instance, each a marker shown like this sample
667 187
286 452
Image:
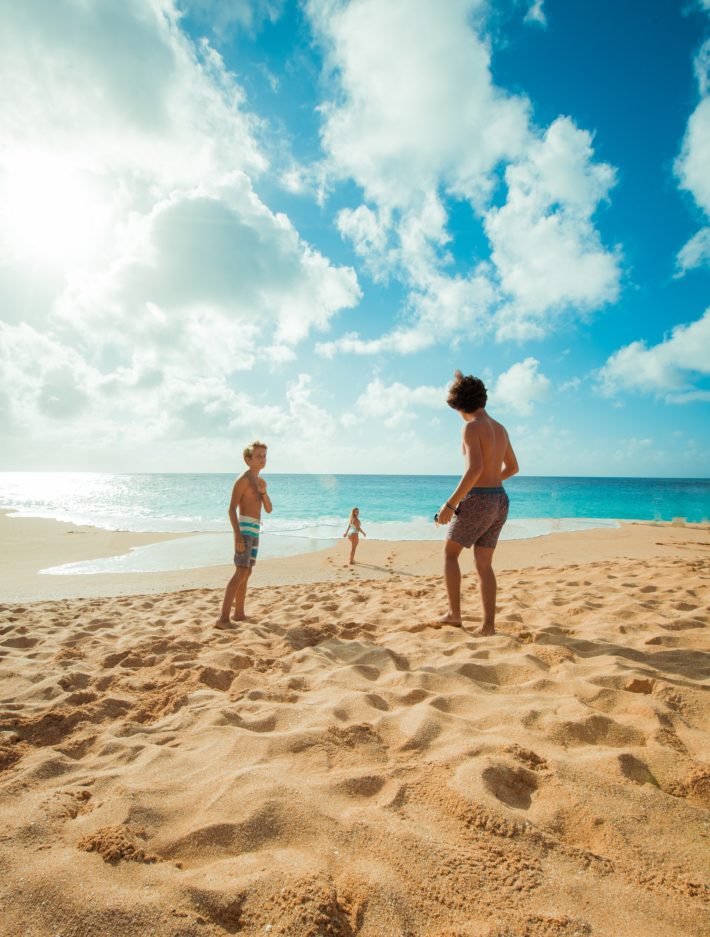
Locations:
294 220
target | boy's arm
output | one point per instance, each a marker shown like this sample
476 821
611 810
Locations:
237 492
510 463
265 499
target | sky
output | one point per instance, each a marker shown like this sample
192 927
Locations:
292 220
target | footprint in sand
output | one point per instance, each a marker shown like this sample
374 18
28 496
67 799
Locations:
635 770
20 642
513 786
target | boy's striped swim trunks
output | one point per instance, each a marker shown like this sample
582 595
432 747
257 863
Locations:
249 527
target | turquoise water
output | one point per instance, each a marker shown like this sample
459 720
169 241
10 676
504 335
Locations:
174 502
311 511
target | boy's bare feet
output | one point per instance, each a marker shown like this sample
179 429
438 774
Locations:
485 632
449 620
223 623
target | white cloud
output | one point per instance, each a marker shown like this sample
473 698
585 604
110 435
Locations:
392 404
692 164
51 388
574 383
413 128
667 369
148 271
696 253
117 88
536 14
212 266
222 17
312 422
546 249
370 237
691 396
403 121
447 306
520 387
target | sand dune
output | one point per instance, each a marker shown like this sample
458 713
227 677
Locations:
339 766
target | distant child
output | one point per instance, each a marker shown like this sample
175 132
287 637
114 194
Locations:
353 531
248 494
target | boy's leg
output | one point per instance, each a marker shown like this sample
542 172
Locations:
452 578
240 595
229 594
487 578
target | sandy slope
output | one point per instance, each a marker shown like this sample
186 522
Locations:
339 766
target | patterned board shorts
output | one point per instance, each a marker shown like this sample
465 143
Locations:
480 518
249 527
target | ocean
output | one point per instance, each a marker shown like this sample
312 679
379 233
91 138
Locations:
311 511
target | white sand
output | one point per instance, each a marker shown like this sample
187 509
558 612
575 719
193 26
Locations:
340 766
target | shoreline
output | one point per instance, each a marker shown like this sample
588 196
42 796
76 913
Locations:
33 544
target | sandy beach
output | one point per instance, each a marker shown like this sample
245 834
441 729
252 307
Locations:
341 766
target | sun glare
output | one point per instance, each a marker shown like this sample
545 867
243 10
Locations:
50 212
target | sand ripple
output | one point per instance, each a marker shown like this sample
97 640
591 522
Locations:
340 766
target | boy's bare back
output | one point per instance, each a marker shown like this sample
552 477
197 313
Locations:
491 438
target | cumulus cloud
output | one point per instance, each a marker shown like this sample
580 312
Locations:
693 161
393 404
520 387
52 383
206 266
692 164
547 252
118 88
312 422
135 253
429 123
668 369
449 305
403 120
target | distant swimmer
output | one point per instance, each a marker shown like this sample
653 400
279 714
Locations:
353 532
248 495
479 505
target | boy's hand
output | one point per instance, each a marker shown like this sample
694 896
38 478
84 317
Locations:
261 485
445 514
239 545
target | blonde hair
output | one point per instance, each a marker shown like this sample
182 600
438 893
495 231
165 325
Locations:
249 450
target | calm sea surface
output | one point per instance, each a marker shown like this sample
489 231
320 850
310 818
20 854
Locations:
312 510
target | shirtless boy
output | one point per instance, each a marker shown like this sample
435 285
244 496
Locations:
248 495
479 505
